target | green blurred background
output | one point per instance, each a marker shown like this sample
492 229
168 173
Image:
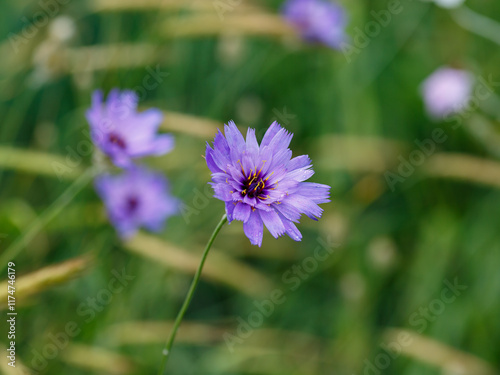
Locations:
381 303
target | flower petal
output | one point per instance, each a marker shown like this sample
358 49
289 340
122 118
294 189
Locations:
304 205
235 172
299 162
288 211
209 157
242 212
147 122
270 133
219 177
233 136
254 229
300 174
281 140
229 210
222 191
163 144
220 159
252 145
125 228
318 193
291 229
273 222
281 158
220 143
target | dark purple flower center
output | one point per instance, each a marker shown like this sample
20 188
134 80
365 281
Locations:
117 140
132 204
253 186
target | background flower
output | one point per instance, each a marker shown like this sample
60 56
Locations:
136 198
318 21
121 132
446 91
263 185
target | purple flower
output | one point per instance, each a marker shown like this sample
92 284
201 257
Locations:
136 198
318 21
263 185
121 132
446 91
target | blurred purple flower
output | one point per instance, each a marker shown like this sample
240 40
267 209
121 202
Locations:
318 21
446 91
262 185
121 132
136 198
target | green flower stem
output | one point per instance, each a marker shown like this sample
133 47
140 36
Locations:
189 296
